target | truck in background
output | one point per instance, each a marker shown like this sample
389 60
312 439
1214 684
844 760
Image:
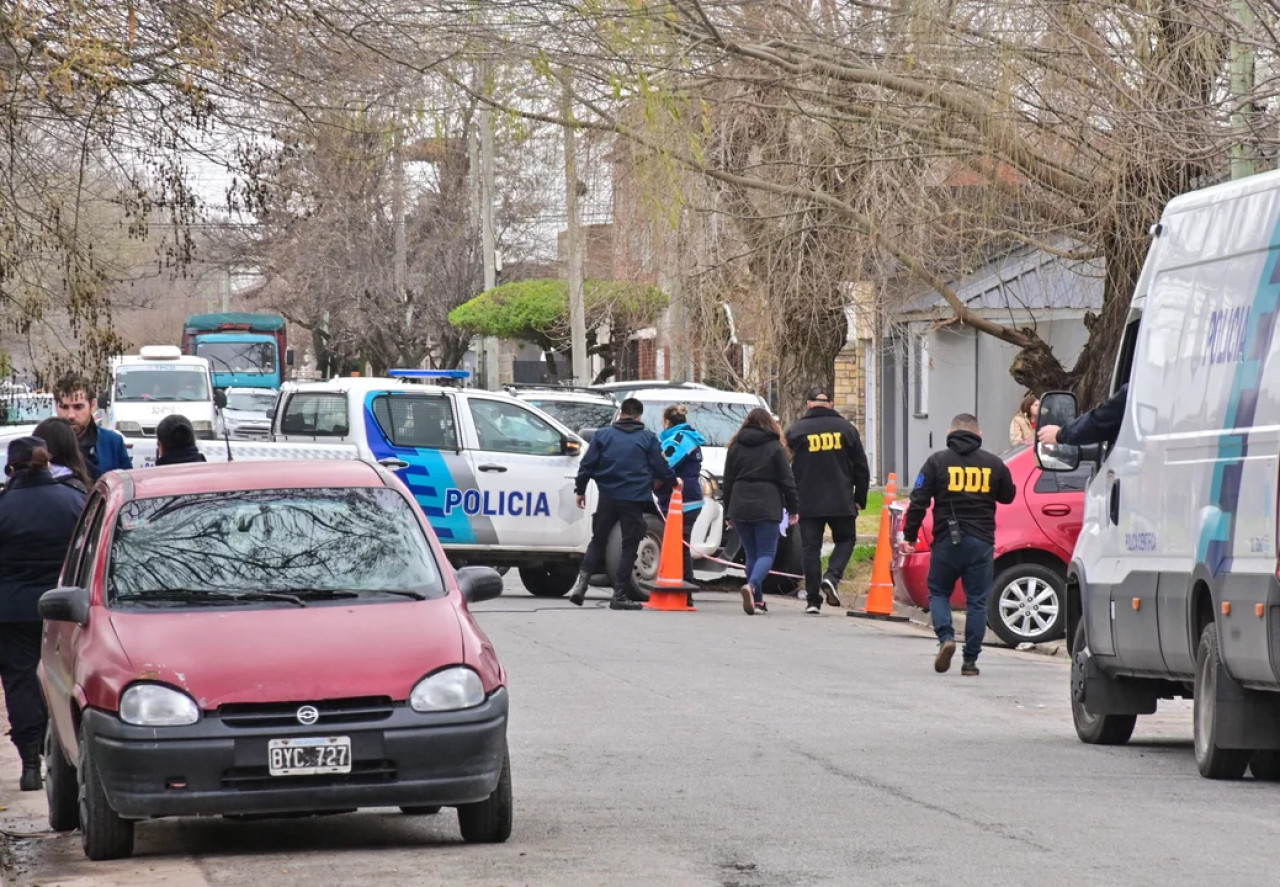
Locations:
244 350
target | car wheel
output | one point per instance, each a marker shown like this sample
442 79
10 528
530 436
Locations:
60 787
420 811
1213 761
1026 604
648 556
489 821
103 834
1093 729
789 559
555 582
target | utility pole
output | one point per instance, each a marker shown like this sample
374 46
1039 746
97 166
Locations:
490 351
573 246
400 273
1243 152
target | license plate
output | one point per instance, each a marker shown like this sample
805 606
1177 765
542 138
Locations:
312 754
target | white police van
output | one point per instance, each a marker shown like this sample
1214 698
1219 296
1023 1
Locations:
1173 587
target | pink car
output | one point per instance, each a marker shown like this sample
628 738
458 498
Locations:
1034 537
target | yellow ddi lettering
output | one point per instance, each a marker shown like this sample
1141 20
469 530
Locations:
968 480
828 440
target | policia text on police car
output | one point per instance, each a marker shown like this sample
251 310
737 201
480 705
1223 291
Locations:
964 482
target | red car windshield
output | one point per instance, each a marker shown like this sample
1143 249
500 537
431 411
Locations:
336 543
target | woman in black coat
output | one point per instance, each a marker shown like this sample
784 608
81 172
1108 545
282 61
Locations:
757 486
37 518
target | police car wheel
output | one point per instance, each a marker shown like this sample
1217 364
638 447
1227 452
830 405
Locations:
543 582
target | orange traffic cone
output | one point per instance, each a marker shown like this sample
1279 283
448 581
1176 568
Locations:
880 596
669 590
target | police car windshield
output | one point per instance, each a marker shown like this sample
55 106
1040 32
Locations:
171 383
579 415
717 422
363 541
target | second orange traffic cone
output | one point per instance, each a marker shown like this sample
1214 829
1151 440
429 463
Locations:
879 603
670 591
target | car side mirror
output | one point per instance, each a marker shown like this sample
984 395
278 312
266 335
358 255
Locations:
65 605
570 447
1057 408
479 583
271 414
220 398
104 398
587 433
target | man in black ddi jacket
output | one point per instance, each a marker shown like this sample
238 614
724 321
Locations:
832 476
965 482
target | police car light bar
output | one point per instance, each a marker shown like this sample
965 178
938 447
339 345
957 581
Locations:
429 374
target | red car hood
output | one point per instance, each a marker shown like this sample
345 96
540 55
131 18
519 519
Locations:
291 654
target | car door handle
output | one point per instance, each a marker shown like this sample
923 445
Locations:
393 463
1056 510
493 467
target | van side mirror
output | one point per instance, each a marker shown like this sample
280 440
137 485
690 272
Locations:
587 433
1057 408
65 605
220 398
479 583
104 397
570 447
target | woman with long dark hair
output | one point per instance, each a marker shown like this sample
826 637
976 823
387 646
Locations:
758 485
66 463
37 518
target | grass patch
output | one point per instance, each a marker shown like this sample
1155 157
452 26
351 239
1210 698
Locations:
862 554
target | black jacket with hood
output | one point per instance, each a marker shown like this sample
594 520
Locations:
965 482
757 478
830 464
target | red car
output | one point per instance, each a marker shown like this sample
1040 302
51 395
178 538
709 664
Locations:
1034 537
235 639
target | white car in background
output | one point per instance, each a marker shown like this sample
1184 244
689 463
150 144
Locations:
246 413
579 409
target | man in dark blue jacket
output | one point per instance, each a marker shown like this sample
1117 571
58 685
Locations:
626 462
102 448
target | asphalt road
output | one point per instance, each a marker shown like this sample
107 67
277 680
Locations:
715 749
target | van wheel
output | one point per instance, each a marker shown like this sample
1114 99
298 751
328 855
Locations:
1026 604
103 834
1213 761
554 582
648 556
60 787
489 821
1093 729
789 559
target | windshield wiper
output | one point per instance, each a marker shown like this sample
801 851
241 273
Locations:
335 593
206 595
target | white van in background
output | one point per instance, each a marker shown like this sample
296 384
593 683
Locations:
156 382
1173 587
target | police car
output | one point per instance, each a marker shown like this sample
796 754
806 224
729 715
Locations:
493 474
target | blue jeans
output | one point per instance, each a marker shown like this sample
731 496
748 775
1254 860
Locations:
972 562
760 544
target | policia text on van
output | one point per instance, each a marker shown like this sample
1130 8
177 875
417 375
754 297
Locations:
1173 588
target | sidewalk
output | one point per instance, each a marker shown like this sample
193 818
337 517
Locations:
21 814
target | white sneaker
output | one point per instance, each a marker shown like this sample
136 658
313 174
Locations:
829 590
812 610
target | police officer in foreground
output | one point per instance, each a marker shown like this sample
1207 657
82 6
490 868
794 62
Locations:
831 472
626 462
964 482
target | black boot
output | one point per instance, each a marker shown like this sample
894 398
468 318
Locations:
31 756
579 593
622 602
